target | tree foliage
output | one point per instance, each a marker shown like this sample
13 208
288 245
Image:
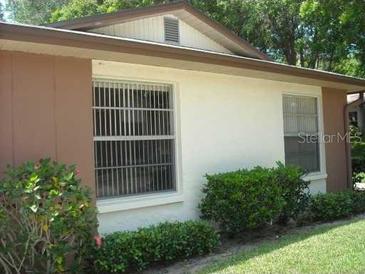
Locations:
79 8
33 11
320 34
334 35
1 12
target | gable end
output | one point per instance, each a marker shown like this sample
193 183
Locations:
181 9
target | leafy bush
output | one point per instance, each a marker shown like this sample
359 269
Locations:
357 150
358 202
248 199
135 250
243 199
46 219
294 190
331 206
358 177
358 157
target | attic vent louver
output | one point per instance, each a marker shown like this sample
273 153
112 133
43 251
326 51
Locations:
171 30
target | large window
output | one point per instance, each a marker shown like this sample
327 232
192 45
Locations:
134 138
301 132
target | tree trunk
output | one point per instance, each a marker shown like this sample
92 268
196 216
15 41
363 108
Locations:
289 45
290 52
330 62
291 57
301 54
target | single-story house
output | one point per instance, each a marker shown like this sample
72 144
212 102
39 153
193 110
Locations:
147 101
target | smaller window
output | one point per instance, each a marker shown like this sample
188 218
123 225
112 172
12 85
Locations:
301 132
171 27
354 121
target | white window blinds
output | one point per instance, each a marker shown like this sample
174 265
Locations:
301 132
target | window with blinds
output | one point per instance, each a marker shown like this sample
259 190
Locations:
134 138
171 28
301 132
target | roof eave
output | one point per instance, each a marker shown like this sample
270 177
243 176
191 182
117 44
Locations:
101 42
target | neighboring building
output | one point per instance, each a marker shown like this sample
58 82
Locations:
147 101
356 110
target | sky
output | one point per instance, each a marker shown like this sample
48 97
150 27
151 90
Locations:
6 14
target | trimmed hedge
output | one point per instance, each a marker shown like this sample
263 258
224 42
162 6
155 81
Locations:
166 242
358 202
332 206
294 191
357 150
248 199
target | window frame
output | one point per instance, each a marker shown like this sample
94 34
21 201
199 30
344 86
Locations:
156 198
321 174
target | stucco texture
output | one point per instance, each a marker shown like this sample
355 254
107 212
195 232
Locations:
222 123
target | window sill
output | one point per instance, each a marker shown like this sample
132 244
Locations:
127 203
315 176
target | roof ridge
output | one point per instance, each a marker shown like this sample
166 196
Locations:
126 15
77 23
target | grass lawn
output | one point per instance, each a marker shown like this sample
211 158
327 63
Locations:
332 248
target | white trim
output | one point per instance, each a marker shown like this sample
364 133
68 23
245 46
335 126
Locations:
314 176
134 202
151 199
322 148
128 79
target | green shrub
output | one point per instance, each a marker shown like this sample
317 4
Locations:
331 206
358 202
135 250
357 150
358 157
294 191
358 177
47 219
248 199
243 199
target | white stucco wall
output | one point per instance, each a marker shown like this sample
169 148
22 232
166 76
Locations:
223 123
